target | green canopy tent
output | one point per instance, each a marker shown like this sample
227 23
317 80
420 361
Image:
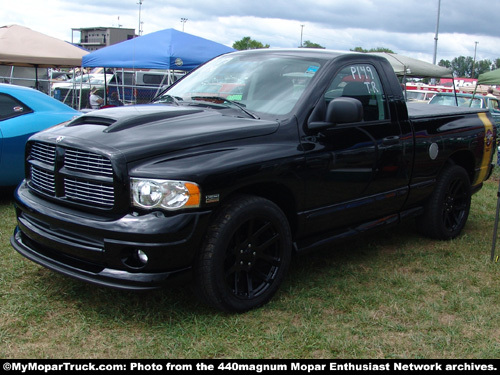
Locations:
405 66
489 78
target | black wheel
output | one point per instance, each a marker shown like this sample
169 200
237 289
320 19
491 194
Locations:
447 210
245 256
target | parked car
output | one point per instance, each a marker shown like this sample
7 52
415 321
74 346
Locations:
466 100
140 87
75 81
69 91
419 95
23 112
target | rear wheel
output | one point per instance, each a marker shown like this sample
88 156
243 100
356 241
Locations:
447 210
246 255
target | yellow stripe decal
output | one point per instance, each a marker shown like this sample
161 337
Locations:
488 148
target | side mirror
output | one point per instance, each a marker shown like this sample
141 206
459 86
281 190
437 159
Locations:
341 110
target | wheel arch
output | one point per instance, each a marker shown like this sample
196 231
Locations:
464 159
277 193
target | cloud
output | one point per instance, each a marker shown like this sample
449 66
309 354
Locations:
407 27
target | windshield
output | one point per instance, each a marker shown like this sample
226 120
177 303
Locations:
462 101
260 84
418 95
85 78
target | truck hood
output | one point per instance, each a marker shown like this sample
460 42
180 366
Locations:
142 131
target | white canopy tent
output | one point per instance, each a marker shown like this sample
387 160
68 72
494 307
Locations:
20 46
23 47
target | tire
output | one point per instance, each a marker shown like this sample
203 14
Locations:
447 210
246 254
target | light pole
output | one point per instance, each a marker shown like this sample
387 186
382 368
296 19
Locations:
301 32
139 31
436 36
474 61
183 20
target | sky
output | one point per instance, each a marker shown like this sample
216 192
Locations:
408 27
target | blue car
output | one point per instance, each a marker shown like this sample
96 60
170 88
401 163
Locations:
23 112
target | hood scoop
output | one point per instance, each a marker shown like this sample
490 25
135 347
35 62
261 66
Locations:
146 118
92 120
129 119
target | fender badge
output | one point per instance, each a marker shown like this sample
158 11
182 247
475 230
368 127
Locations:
489 138
59 139
212 198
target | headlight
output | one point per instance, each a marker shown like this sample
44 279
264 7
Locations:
166 194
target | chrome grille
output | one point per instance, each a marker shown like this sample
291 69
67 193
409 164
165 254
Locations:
73 175
43 180
86 191
44 153
83 161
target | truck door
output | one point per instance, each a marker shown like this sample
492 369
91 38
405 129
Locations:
355 172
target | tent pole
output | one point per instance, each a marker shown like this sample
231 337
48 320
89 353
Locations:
50 81
36 77
474 93
404 86
81 89
105 88
455 92
123 86
495 228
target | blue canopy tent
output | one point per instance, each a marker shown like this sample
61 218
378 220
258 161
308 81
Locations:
167 49
164 49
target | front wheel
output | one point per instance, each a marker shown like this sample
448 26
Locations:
447 210
246 255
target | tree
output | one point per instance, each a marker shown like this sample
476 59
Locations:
445 63
378 49
462 66
309 44
482 66
248 43
496 64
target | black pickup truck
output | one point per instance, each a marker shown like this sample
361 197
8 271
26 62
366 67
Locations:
252 157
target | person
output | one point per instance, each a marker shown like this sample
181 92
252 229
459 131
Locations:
114 100
94 99
490 92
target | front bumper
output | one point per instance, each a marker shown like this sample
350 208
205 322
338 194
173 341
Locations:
100 251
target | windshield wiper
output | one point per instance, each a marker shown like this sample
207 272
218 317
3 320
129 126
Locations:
221 100
168 99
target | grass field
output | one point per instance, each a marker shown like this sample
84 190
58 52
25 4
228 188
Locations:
393 294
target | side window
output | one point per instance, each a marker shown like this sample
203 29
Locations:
11 107
150 79
360 81
494 104
118 77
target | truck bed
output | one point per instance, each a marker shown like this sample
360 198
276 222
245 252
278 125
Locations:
422 110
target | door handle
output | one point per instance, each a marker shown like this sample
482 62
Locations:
393 140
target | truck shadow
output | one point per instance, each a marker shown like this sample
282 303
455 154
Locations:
179 302
360 250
